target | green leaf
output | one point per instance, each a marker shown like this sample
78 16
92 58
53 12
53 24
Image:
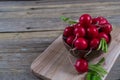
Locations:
103 46
68 20
106 46
96 77
91 75
98 69
88 76
99 47
72 22
64 18
101 69
101 61
92 69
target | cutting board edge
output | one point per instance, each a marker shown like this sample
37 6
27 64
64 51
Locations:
38 75
32 65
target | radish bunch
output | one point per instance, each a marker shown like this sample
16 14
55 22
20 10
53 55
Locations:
88 33
94 71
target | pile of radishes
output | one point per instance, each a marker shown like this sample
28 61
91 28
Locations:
88 32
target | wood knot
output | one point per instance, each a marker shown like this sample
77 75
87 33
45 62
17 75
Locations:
28 28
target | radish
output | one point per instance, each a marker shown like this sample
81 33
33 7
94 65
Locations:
70 40
79 31
85 20
77 25
107 28
94 43
92 31
81 44
68 31
99 20
104 35
81 65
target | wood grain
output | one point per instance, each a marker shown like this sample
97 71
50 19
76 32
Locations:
16 18
53 63
18 50
24 31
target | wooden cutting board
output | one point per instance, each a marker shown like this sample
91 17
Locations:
53 63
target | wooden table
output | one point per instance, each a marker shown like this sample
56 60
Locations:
28 28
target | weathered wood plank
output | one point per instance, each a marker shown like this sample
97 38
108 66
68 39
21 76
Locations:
69 9
29 35
115 71
39 24
36 18
46 2
29 21
18 50
48 24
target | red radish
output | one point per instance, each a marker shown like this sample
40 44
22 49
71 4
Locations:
81 44
85 20
68 31
81 65
92 31
100 20
94 21
105 36
79 32
107 28
70 40
94 43
77 25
